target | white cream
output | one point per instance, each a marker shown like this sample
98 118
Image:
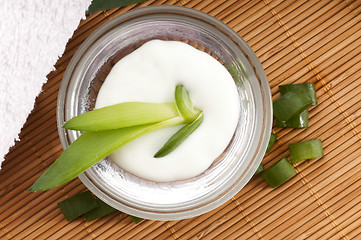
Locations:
150 74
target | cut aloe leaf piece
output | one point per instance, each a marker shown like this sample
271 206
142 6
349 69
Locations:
278 173
185 105
89 148
77 205
102 210
101 5
271 142
289 105
122 115
179 137
259 169
307 88
297 121
305 150
136 220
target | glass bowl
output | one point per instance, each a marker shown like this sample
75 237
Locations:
230 171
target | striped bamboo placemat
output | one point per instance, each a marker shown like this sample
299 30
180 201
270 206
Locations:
296 42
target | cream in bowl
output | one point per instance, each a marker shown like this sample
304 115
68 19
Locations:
171 45
150 74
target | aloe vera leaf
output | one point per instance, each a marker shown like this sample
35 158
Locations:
185 105
77 205
99 5
278 173
271 142
179 137
135 219
297 121
290 104
305 150
306 88
102 210
90 148
122 115
259 169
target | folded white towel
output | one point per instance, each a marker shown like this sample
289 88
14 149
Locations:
33 36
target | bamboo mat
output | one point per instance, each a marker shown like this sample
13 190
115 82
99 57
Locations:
296 42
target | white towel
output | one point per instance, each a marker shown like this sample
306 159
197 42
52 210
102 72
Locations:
33 36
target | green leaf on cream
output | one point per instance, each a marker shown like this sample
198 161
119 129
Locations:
122 115
179 137
193 116
105 132
184 104
89 148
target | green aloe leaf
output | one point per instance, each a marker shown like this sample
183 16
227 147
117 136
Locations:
135 219
185 105
77 205
271 142
306 88
179 137
122 115
100 5
278 173
305 150
290 104
102 210
107 129
90 148
259 169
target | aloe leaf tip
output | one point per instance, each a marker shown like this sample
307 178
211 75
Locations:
179 137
